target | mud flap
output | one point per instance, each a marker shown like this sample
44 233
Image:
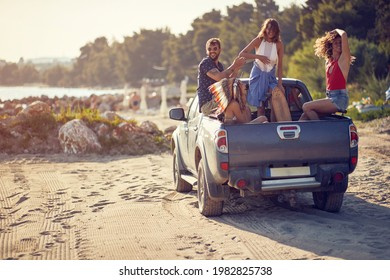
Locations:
216 191
279 106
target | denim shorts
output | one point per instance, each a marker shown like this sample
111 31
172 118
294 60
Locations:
339 98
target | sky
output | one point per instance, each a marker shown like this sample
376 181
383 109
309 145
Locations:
59 28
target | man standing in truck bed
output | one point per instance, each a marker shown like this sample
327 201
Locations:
210 70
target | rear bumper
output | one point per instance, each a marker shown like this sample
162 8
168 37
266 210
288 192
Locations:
321 178
288 184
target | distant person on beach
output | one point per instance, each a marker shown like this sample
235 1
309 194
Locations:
334 48
210 70
135 101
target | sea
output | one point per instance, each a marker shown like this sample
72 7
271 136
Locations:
10 93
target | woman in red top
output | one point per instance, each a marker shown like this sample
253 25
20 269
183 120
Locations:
334 48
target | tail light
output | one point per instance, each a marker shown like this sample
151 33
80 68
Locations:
353 136
224 166
338 177
354 161
221 141
242 183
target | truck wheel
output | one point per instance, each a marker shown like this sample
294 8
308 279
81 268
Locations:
180 184
207 206
328 201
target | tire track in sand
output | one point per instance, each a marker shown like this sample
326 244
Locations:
35 215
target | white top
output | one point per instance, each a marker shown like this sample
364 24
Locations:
269 50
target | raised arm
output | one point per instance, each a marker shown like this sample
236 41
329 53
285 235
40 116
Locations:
344 43
345 57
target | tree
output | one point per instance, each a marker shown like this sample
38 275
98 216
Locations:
357 17
141 53
288 20
179 59
9 75
55 76
370 61
265 9
243 13
381 32
306 21
304 59
28 74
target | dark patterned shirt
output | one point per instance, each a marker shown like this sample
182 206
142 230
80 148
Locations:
205 81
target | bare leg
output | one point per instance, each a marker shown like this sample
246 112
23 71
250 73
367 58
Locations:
303 117
280 106
311 114
261 119
312 109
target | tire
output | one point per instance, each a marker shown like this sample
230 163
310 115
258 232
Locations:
207 206
180 184
328 201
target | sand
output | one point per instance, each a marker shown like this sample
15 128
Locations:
66 207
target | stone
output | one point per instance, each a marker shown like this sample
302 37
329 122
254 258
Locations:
76 138
111 116
150 127
36 108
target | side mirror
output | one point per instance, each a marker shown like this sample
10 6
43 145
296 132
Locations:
177 114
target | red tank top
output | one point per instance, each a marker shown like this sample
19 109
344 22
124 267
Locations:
334 80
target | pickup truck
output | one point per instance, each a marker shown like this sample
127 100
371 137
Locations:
274 159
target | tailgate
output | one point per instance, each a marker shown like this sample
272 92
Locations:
288 144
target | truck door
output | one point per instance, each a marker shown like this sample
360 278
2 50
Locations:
184 134
193 128
191 132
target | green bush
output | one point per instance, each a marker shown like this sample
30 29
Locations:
38 125
89 116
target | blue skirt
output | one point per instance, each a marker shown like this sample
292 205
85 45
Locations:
260 84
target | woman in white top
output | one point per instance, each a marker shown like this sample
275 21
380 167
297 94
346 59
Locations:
268 53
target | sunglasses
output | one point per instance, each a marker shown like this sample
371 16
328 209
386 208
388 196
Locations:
212 49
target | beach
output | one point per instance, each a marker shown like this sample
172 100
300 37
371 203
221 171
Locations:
94 207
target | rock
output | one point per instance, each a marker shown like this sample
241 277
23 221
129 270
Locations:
103 130
104 107
123 130
76 138
35 108
30 125
111 116
150 127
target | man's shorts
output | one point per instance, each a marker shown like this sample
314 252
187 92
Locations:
209 107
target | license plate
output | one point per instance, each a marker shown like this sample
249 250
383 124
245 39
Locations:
290 171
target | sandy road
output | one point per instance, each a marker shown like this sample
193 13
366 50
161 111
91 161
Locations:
66 207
